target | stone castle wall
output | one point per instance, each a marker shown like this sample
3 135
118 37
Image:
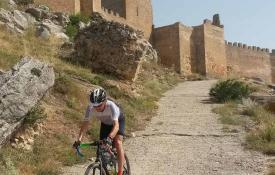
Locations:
199 49
185 40
166 41
248 61
214 48
68 6
136 13
115 5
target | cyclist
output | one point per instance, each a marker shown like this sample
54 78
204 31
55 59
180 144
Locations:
112 123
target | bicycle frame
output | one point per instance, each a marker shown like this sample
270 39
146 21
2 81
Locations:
100 155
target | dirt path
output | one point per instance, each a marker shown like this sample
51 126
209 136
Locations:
185 138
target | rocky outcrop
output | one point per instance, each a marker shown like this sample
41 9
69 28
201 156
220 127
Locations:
20 89
16 21
111 47
46 23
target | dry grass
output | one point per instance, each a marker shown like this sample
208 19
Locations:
229 114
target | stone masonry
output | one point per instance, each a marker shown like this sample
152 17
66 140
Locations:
135 13
203 50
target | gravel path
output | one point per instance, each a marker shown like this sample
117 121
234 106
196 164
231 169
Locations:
186 138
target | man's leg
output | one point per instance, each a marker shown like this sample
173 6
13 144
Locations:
121 159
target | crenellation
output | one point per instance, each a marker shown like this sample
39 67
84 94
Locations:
207 21
240 45
235 44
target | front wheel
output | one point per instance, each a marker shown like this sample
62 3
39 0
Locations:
95 169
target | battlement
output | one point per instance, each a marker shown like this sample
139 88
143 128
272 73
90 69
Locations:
111 12
245 46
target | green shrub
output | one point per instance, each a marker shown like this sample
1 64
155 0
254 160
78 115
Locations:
34 115
230 89
71 31
72 27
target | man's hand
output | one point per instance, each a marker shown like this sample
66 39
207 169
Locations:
76 144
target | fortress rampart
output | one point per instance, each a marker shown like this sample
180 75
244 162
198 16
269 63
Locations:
136 13
67 6
166 39
248 61
198 49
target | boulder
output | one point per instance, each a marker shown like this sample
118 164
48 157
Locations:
62 36
5 16
19 20
35 12
43 32
53 28
112 47
20 90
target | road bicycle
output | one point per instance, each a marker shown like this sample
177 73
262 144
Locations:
106 162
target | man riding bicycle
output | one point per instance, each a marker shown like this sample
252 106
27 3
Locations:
112 123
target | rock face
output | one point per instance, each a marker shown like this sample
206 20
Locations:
20 89
111 47
46 23
16 21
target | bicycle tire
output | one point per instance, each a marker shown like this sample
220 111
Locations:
90 170
128 168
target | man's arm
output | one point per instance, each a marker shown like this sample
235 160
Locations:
83 129
114 130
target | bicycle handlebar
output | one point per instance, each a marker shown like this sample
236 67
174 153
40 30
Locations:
84 145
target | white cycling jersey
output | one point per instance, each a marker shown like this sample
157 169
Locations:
110 114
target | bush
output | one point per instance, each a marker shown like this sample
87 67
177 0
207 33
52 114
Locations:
34 115
72 27
71 31
230 89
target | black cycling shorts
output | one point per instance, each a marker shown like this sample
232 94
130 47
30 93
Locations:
105 130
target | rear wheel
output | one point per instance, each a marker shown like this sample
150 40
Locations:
95 169
126 167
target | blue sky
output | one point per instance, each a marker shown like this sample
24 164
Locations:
251 22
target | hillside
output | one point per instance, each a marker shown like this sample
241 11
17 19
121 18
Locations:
44 143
